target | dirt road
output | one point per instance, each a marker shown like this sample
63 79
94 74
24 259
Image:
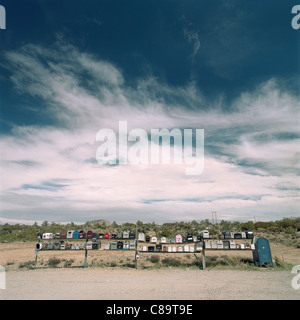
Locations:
120 284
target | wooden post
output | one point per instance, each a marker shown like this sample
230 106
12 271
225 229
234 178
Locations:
85 255
136 244
36 254
203 256
198 260
35 261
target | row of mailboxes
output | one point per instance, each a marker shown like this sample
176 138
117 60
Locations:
248 234
120 245
177 239
162 248
69 246
227 244
75 234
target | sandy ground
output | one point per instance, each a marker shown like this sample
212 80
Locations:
131 284
143 284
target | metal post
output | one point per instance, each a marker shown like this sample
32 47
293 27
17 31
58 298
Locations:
36 255
85 257
136 244
203 256
35 261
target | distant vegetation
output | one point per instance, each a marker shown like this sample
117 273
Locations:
22 232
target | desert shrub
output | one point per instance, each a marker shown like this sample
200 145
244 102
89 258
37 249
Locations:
172 262
113 264
155 258
280 263
27 264
68 263
53 262
215 261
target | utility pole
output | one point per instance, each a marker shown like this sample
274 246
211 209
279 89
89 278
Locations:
214 217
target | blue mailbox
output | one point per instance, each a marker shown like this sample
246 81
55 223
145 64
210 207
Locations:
262 252
75 234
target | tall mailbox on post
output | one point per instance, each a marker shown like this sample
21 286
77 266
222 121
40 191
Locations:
262 252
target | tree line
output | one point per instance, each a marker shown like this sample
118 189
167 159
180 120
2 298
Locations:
23 232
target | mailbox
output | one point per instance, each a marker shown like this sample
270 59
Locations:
262 252
249 234
237 235
70 234
132 245
141 237
50 246
226 234
89 234
126 244
226 244
178 238
63 234
158 247
76 234
220 244
125 234
106 235
120 245
56 245
47 236
154 239
120 234
189 237
232 244
198 246
95 245
186 248
81 234
89 245
132 234
208 244
204 234
57 235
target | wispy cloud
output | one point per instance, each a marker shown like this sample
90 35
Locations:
49 171
193 37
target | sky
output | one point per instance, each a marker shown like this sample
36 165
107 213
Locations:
71 68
